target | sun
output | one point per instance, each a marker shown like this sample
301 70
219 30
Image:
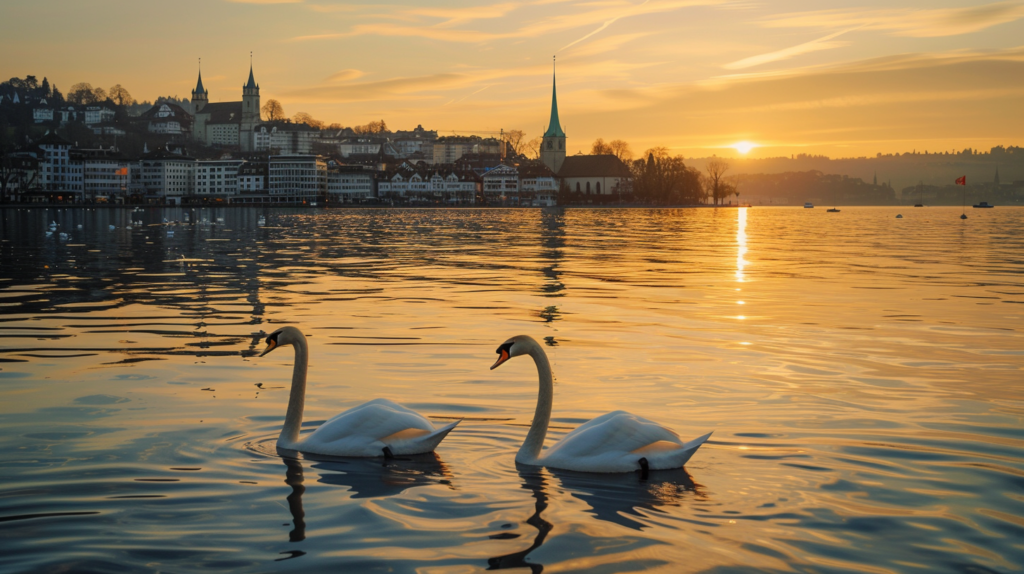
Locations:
743 146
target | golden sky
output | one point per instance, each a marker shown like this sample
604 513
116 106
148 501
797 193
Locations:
842 78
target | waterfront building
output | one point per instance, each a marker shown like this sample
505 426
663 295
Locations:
538 185
552 145
226 123
166 177
216 180
596 175
501 184
106 175
348 183
252 177
296 179
60 175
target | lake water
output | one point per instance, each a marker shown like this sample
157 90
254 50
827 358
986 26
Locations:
862 375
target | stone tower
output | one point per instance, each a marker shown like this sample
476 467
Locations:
250 112
552 146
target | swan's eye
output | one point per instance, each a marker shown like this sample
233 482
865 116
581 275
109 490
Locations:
272 337
507 347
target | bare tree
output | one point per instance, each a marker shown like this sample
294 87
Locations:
304 118
620 149
658 152
716 187
273 111
81 93
532 148
120 96
372 128
600 148
516 141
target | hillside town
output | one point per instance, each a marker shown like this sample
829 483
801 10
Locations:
239 152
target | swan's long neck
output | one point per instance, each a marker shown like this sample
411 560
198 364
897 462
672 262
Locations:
530 451
297 399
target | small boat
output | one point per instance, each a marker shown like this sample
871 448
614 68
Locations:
808 205
918 205
983 205
899 216
833 210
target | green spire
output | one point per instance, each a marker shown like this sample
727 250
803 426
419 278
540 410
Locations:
554 126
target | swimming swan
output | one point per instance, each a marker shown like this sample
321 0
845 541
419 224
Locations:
376 428
614 442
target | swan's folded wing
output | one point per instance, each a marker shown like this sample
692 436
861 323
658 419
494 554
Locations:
374 420
615 432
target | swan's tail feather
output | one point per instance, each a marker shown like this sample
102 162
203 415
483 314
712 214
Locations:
679 457
423 443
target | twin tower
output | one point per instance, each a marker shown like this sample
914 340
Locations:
226 123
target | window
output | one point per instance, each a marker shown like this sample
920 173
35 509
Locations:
551 144
577 187
599 187
588 188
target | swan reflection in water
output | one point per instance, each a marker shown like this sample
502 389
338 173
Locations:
612 498
365 478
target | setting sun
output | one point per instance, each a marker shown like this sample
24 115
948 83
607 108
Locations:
743 146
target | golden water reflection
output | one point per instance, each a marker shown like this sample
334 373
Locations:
867 404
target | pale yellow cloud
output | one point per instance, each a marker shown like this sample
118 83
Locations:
345 75
925 23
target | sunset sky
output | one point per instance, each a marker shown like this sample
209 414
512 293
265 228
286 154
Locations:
696 76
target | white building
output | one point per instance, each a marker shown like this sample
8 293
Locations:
596 175
106 175
216 179
296 178
501 183
60 175
226 123
166 118
98 115
363 145
538 186
41 115
166 177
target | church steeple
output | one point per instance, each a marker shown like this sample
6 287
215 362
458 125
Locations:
552 145
200 96
554 126
250 111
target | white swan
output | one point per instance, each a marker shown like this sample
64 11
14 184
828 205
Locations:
614 442
376 428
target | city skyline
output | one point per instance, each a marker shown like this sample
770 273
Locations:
698 77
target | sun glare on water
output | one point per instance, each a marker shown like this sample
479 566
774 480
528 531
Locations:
744 146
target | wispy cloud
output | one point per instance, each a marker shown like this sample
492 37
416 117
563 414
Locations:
823 43
345 75
926 23
576 15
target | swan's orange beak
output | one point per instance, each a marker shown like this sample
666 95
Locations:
271 345
502 357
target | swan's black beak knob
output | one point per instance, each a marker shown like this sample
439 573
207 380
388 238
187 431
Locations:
271 345
504 354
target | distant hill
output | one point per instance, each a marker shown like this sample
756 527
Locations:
898 170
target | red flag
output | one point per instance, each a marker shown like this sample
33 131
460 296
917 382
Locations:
962 180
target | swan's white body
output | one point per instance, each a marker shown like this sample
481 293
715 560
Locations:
364 431
614 442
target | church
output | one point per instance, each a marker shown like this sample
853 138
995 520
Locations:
226 123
